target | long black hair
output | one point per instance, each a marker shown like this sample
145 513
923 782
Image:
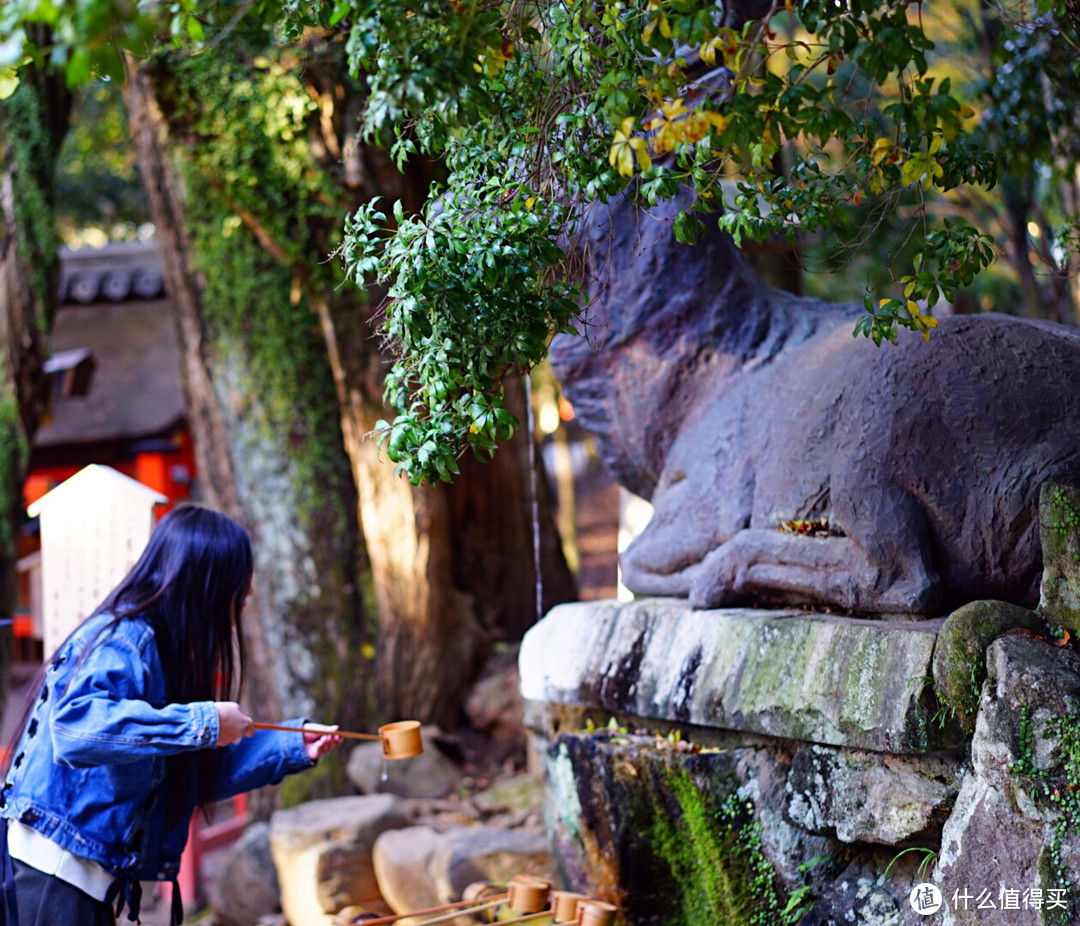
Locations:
189 585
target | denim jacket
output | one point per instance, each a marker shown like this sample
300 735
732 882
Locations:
89 771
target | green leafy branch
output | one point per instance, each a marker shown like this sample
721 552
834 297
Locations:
466 304
541 110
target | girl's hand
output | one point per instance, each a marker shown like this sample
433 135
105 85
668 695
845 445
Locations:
233 723
319 739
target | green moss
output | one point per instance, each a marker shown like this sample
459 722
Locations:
960 652
1059 535
327 779
13 461
261 213
716 859
34 152
864 685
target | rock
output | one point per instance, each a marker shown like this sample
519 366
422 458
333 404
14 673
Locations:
1001 834
322 853
516 794
401 859
246 887
428 775
672 836
960 654
763 775
858 898
871 797
494 708
486 853
1059 533
820 678
419 868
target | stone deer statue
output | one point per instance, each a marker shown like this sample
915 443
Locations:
739 409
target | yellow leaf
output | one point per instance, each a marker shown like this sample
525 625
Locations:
710 48
922 322
935 145
9 81
666 136
883 149
672 109
641 151
621 155
665 26
716 120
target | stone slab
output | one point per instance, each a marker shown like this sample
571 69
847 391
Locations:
818 678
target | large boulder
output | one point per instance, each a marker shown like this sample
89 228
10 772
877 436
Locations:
821 678
322 853
871 797
419 868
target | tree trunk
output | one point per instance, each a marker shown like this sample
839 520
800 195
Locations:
33 122
205 416
440 607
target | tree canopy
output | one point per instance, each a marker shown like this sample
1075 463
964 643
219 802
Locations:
790 120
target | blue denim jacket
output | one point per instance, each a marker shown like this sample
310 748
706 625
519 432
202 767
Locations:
90 768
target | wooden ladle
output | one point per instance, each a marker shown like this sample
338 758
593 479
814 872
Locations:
400 740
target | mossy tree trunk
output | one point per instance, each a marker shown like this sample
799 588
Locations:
269 450
33 122
265 134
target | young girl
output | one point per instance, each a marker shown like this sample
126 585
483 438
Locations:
134 726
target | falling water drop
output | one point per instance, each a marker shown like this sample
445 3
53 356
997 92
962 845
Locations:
385 776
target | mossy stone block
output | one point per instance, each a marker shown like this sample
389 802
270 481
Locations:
1059 532
960 652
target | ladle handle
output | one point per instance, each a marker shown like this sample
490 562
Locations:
459 908
317 728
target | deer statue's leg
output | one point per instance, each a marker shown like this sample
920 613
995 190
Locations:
884 571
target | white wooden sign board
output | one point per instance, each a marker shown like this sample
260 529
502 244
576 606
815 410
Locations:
93 528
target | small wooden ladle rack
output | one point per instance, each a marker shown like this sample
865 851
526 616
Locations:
528 897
